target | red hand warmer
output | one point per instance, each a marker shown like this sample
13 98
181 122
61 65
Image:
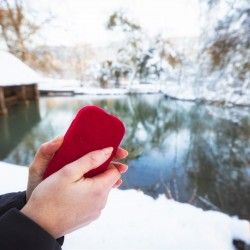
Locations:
92 129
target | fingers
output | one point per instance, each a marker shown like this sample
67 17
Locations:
75 170
107 179
45 154
118 183
122 168
121 153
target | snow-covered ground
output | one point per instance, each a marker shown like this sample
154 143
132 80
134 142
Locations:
132 220
226 95
145 88
61 86
178 93
100 91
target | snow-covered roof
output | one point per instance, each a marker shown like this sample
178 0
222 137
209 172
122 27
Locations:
14 72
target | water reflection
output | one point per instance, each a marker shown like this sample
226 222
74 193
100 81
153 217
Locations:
195 153
15 125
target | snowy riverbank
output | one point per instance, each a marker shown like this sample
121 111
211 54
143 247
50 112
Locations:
72 87
219 97
172 91
132 220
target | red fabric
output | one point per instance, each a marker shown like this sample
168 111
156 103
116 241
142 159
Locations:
92 129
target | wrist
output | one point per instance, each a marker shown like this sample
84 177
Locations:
33 215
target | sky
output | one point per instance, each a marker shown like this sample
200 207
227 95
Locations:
83 21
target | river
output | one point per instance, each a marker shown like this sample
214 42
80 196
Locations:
190 152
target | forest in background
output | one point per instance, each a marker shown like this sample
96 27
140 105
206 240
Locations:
215 63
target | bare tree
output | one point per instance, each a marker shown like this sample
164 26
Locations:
17 32
16 29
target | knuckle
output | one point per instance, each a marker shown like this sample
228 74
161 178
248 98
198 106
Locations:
42 148
66 172
42 151
99 190
92 159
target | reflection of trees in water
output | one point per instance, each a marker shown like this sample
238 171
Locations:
15 125
220 160
216 159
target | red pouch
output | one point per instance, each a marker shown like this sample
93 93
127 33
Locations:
92 129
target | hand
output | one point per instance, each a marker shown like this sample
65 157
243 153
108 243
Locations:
66 200
40 163
45 154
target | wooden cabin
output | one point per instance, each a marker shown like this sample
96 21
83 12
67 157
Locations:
14 94
18 82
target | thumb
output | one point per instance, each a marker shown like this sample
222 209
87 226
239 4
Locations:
76 169
45 154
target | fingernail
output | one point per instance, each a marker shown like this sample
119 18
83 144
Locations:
107 151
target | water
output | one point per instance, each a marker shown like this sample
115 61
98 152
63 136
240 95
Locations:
191 152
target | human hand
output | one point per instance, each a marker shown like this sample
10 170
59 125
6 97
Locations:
66 201
40 163
46 152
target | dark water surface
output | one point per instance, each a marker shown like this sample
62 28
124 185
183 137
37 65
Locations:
191 152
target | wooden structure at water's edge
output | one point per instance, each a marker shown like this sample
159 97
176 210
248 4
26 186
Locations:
13 94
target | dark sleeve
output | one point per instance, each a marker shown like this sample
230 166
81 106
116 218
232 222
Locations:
18 232
14 202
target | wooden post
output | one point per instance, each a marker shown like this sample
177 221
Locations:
21 93
3 109
36 92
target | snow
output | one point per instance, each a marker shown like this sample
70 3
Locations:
47 83
66 85
187 93
15 72
100 91
12 177
171 90
178 92
145 88
132 220
83 90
